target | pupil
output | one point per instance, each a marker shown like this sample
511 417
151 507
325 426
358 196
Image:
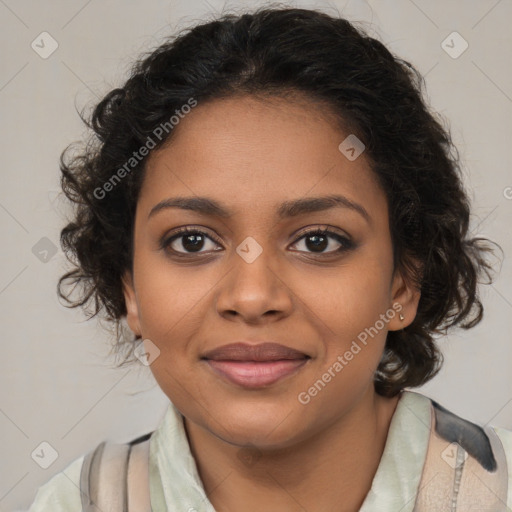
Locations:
317 244
194 245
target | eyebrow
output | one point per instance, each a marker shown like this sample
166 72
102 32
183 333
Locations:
208 206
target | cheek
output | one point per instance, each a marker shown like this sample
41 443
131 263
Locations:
346 308
349 297
166 296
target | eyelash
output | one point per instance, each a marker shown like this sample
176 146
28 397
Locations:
345 243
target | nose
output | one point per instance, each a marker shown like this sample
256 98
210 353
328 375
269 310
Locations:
254 292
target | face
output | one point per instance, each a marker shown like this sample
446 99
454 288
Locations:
257 269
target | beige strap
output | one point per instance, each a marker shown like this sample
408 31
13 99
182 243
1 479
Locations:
480 488
454 481
115 477
112 478
138 478
435 489
90 466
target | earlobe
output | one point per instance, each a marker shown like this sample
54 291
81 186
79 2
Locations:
132 308
405 298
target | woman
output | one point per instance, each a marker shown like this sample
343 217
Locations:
281 221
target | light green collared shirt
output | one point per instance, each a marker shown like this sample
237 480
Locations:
175 483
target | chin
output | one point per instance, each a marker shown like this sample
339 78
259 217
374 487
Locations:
264 426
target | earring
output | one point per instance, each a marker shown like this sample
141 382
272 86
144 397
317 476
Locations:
402 317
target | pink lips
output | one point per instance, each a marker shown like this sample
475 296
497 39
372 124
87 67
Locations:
255 366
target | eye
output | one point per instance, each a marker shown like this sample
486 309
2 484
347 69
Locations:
188 241
318 240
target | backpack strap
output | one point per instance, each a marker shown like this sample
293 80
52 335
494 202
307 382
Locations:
465 467
138 476
115 477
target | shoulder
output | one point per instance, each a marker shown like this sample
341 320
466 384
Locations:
505 436
61 492
482 442
488 447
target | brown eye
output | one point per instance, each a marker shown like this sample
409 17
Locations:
317 241
188 241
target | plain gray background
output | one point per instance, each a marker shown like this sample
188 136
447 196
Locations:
57 385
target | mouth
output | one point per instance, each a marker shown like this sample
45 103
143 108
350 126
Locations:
255 366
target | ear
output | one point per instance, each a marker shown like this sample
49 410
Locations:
405 297
132 308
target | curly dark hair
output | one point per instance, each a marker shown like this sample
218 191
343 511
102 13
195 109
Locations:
375 95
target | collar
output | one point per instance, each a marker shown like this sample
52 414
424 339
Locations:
175 482
398 475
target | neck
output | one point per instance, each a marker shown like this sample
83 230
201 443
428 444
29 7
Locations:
331 470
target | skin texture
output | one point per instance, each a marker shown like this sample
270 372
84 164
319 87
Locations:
263 449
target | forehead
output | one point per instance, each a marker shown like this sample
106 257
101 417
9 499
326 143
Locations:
262 152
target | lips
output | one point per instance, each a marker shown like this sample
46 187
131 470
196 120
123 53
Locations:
260 352
255 366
